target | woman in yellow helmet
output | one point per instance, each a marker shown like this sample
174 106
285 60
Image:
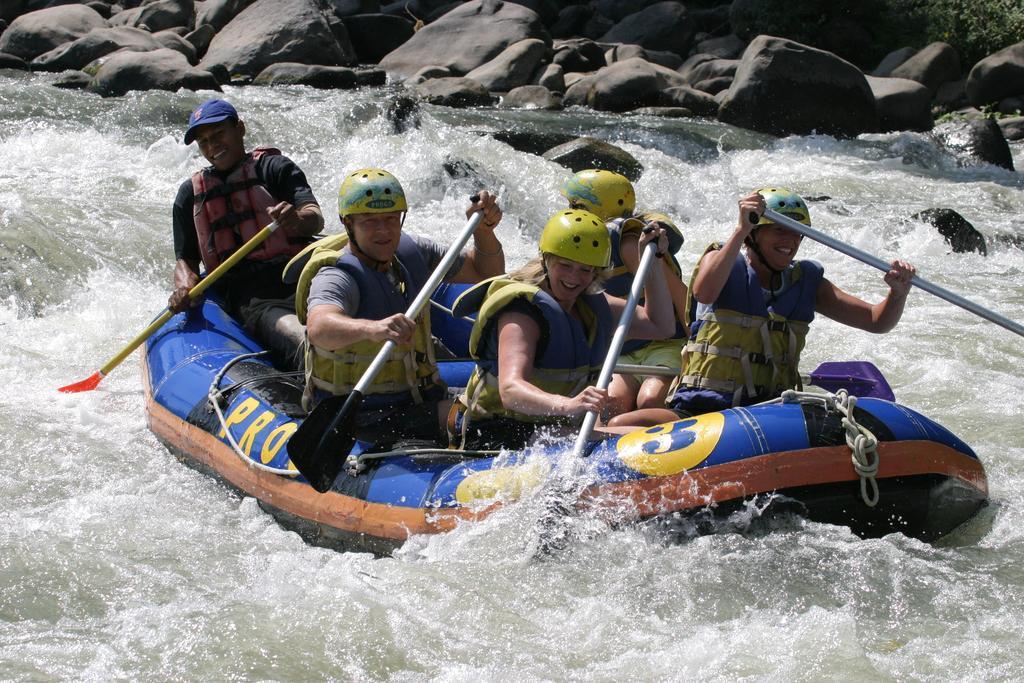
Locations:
542 333
751 312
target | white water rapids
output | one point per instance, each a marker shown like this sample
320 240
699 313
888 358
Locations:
119 563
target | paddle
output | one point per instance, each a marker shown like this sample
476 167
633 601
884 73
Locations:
319 446
93 380
551 528
878 263
858 377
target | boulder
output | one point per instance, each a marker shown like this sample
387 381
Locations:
272 31
72 80
172 40
784 88
901 104
949 97
957 230
532 97
455 91
661 26
427 73
931 66
375 35
323 77
712 68
552 77
621 52
466 37
691 99
95 44
157 15
530 142
974 142
8 61
617 10
627 85
586 152
715 85
578 54
596 26
1012 127
162 69
104 10
724 47
200 38
350 8
547 10
893 60
572 21
513 67
218 13
32 34
997 76
692 62
663 112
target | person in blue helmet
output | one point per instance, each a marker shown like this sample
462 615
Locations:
751 312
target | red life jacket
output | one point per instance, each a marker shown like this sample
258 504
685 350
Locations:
228 212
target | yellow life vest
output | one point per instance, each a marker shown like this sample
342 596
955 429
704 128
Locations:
410 368
740 345
565 365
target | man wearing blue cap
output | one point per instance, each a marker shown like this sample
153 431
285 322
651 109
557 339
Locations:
224 205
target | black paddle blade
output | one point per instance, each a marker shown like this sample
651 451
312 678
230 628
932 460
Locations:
319 446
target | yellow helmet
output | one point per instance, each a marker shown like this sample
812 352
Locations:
786 202
577 235
370 190
607 195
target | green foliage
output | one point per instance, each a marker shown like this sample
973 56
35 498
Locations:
976 28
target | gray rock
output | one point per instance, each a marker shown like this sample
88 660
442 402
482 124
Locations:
783 88
32 34
530 142
552 77
617 10
8 61
532 97
467 37
272 31
102 8
370 76
712 68
586 152
513 67
349 8
547 10
975 142
73 80
1012 127
620 53
957 230
661 26
375 35
172 40
893 60
157 15
692 62
715 85
455 91
1011 105
218 13
323 77
578 54
997 76
901 104
931 66
571 21
162 69
427 73
596 26
724 47
630 84
950 96
684 97
93 45
664 112
200 38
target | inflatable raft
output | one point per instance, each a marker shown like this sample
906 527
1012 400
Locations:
221 406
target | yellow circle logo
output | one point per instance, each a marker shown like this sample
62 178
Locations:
673 447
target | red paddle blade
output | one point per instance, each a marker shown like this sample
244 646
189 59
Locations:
87 384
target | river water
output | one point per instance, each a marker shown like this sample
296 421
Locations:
117 562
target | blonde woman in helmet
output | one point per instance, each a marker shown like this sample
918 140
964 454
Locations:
611 197
752 311
542 333
355 302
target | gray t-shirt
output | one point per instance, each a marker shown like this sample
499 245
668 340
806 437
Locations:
335 287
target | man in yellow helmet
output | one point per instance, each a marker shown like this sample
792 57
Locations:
224 205
611 197
356 303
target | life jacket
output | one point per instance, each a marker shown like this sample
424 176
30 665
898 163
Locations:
569 361
620 280
410 369
229 211
741 346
